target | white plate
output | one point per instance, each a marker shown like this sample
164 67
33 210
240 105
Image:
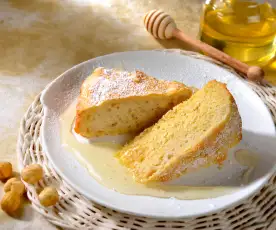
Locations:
258 130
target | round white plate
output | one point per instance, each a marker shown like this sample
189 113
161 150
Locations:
258 130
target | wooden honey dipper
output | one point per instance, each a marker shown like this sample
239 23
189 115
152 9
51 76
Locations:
162 26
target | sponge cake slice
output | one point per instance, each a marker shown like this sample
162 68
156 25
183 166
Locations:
113 102
196 133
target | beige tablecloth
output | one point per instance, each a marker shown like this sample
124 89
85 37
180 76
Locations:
40 39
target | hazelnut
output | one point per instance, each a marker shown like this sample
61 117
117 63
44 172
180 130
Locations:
7 185
5 170
48 196
10 202
14 184
32 173
18 187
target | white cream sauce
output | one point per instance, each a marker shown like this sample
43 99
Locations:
98 158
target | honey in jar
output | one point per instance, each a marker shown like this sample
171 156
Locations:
243 29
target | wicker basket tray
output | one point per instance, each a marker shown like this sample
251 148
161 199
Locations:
74 211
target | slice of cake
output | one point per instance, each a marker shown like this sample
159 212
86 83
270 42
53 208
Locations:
113 102
196 133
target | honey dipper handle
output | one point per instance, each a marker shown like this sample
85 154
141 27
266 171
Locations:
253 73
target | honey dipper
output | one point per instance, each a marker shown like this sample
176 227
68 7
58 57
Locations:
162 26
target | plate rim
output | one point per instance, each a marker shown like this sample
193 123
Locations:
261 181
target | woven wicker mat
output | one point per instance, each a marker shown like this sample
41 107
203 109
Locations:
74 211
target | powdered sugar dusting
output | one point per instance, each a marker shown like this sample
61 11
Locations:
114 84
222 143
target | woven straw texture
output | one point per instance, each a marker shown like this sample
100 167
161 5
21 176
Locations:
74 211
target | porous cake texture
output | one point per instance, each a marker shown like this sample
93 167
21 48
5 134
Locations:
195 133
113 102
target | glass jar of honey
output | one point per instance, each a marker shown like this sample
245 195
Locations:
244 29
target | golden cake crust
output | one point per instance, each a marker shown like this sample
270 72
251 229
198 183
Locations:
110 88
108 84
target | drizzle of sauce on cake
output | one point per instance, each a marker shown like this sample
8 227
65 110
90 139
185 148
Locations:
98 158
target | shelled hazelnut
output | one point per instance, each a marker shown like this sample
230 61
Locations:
32 173
48 197
10 202
14 184
5 170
